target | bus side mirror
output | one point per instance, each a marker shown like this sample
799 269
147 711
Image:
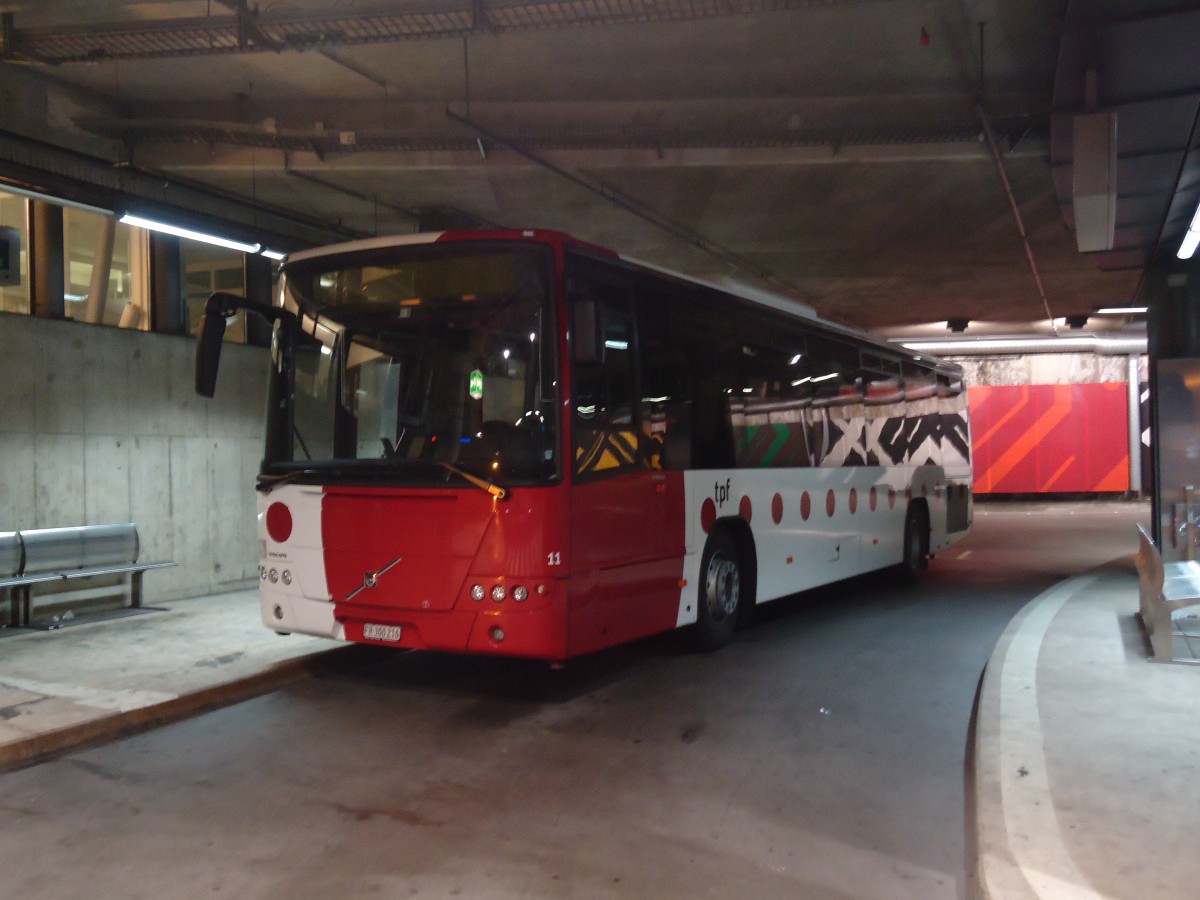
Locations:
217 309
208 347
585 332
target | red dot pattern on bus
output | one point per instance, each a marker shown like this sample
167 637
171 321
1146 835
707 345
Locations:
279 522
708 509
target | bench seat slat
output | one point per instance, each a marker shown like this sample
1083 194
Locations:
67 574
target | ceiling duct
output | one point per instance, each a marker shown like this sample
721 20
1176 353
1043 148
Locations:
1094 180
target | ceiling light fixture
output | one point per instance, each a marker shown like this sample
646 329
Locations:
189 234
1030 344
1192 238
1122 310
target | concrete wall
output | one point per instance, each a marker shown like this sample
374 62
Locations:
1046 368
102 425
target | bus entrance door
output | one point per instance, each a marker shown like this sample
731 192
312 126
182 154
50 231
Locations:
627 544
627 516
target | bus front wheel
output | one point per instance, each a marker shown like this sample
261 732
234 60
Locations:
721 582
916 542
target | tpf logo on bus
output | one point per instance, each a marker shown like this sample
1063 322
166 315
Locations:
721 492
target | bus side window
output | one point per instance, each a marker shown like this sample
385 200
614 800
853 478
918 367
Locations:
923 412
701 327
665 384
837 411
605 436
885 439
770 406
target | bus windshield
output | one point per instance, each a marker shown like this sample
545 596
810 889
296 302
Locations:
417 364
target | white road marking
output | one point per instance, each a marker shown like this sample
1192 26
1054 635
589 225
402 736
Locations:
1030 821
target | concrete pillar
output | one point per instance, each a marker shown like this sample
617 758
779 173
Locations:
259 281
167 284
1173 321
1173 332
1133 399
46 268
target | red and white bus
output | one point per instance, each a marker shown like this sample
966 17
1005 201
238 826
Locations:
514 442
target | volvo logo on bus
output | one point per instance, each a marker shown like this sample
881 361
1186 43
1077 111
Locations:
371 579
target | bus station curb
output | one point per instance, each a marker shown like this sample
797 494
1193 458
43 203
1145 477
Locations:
42 746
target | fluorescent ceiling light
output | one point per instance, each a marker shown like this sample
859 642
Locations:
1122 311
152 225
1192 238
272 254
1031 344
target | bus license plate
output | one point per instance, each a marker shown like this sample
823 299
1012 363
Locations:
381 632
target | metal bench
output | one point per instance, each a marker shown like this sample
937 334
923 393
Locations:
56 555
1164 589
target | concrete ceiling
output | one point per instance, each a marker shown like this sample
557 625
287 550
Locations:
835 149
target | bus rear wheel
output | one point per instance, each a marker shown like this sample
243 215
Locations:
916 543
721 582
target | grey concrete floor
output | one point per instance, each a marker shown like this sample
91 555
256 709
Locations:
821 755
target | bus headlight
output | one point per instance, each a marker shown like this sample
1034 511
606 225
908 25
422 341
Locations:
478 593
498 593
520 593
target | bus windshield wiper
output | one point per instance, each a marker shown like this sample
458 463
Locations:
497 492
267 483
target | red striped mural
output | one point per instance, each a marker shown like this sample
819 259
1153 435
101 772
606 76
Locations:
1050 438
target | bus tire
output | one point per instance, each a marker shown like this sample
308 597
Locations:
916 543
722 581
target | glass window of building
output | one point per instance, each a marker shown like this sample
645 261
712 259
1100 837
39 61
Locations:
206 269
105 271
14 284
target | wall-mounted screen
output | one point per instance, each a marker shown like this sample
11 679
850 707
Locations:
10 256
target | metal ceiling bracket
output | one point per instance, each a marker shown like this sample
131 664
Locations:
990 136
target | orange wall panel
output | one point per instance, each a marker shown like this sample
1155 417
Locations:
1050 438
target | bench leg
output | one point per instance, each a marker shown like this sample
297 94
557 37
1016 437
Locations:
135 590
1161 628
20 606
